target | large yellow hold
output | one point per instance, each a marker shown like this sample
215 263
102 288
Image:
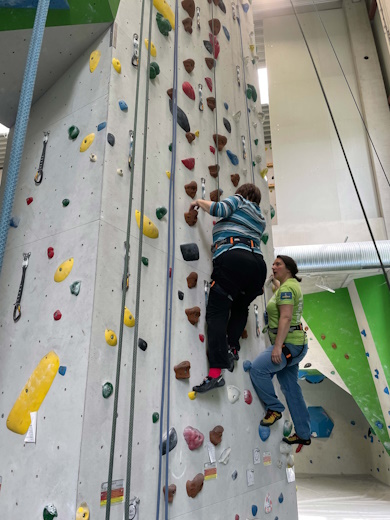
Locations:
87 141
117 65
163 8
128 318
63 270
33 393
94 60
110 337
153 50
150 229
82 512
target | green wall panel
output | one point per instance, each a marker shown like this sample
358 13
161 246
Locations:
332 319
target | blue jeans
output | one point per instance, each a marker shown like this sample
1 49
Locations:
262 372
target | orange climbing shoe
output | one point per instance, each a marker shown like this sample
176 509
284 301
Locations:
270 418
294 439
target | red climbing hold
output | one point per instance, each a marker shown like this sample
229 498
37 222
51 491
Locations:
201 337
215 43
237 517
188 90
346 356
57 315
334 345
212 149
248 396
50 252
29 200
189 163
323 336
209 83
170 272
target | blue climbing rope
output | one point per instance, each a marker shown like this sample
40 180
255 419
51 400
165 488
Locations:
246 99
166 374
215 94
21 123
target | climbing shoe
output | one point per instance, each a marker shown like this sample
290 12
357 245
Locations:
270 418
234 352
294 439
209 383
231 361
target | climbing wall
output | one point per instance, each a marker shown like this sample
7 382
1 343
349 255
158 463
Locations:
74 440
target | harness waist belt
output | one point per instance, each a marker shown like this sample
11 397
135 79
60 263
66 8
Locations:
291 329
236 240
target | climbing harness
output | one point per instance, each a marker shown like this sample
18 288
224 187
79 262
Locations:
17 306
235 240
200 87
220 290
131 133
291 329
134 59
39 175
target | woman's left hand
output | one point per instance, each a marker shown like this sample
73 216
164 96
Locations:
194 205
276 355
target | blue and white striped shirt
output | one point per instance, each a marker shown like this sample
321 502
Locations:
240 218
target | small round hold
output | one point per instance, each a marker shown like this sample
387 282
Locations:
161 211
142 344
334 345
107 390
201 337
323 336
65 202
119 171
50 512
192 395
93 157
346 356
62 371
123 106
145 260
180 295
155 417
73 132
29 200
57 315
234 475
307 365
50 252
247 365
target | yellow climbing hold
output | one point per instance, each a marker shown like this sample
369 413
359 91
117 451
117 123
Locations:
82 512
110 337
117 65
87 141
197 133
153 50
150 229
163 8
128 318
252 47
168 173
192 395
63 270
33 393
264 172
94 60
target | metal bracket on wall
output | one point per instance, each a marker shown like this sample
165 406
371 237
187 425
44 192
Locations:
257 320
39 175
238 75
206 292
126 276
17 307
134 509
200 87
203 181
234 11
131 133
198 17
134 59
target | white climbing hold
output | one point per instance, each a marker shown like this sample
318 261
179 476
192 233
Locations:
93 157
236 116
119 171
285 448
233 393
290 461
225 455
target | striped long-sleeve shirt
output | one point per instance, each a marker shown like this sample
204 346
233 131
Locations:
240 218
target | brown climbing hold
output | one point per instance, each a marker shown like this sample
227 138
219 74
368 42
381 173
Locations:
215 195
192 280
222 140
193 315
217 26
191 217
182 370
216 435
170 92
306 328
346 356
334 345
190 137
171 492
194 486
323 336
214 170
244 334
189 65
189 6
187 22
191 189
235 178
211 103
210 62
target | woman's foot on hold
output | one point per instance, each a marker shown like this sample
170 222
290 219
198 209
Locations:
294 439
209 383
270 418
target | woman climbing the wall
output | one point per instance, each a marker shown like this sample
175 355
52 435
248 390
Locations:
238 276
289 347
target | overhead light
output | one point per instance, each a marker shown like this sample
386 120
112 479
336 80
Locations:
263 83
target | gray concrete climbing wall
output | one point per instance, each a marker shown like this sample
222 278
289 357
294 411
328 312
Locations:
74 422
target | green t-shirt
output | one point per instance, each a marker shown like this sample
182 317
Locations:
288 294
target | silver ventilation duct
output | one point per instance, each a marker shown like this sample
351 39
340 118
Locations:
338 257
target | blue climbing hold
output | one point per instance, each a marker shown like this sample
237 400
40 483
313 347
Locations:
14 222
101 126
379 425
264 432
386 390
226 106
247 365
353 423
367 354
311 376
281 498
376 376
320 422
233 157
226 33
249 110
245 8
363 333
254 510
62 371
123 105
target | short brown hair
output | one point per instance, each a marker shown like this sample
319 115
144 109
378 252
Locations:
250 192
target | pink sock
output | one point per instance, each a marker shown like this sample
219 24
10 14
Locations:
214 372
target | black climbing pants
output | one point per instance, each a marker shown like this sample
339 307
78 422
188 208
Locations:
240 274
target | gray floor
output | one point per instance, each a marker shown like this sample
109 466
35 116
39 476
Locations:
342 497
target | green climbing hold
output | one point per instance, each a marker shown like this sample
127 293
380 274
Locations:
164 25
272 211
256 142
253 163
155 417
145 260
73 132
265 237
75 288
154 70
161 212
170 147
287 428
249 93
65 202
107 390
253 92
50 512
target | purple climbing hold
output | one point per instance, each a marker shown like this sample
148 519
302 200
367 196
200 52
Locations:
245 8
247 365
264 432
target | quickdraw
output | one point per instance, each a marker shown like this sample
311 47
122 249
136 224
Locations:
234 11
243 147
126 277
238 75
17 306
200 87
257 320
203 181
39 175
206 292
131 148
198 17
134 508
134 59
